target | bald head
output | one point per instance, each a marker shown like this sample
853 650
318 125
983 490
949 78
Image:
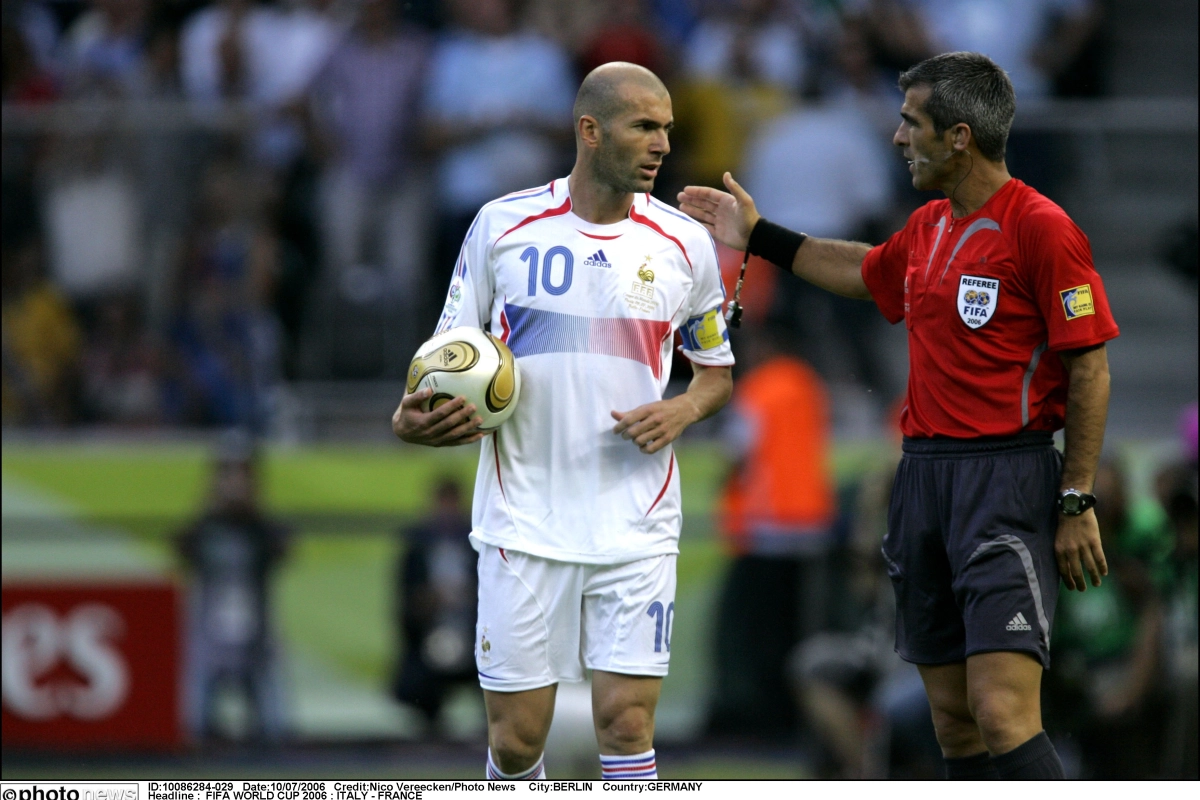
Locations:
604 92
622 125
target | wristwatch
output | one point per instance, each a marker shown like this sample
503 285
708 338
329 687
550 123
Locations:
1072 502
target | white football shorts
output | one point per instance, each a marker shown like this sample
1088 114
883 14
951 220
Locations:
543 621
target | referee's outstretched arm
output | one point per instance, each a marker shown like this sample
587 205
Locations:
731 218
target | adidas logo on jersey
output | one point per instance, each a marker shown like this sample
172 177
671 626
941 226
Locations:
597 259
1018 623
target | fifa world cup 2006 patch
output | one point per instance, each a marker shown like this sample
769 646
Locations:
978 299
454 296
1077 302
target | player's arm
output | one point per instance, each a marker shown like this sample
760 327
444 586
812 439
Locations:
655 425
831 264
1077 544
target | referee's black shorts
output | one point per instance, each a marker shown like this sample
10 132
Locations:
970 547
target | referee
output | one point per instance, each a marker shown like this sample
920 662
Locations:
1007 320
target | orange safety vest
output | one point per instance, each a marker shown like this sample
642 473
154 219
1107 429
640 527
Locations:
784 486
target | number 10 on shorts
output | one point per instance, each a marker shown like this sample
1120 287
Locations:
662 624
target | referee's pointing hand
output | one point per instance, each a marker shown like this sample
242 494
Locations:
728 217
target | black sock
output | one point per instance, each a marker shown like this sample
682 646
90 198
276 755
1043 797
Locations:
978 767
1036 760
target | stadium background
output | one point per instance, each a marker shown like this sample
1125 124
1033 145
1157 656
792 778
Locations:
114 165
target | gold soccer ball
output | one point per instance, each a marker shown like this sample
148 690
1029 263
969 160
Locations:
471 363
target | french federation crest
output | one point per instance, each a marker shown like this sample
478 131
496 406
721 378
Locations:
977 300
640 296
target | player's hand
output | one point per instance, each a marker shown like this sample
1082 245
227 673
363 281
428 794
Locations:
448 425
655 425
1077 547
728 217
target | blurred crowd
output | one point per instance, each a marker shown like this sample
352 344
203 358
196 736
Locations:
238 193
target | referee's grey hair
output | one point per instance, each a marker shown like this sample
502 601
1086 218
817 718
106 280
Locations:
968 88
600 93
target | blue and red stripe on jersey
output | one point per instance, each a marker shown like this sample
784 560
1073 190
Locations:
534 331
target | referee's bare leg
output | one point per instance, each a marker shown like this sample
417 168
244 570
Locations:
988 704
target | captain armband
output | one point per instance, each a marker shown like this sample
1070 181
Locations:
704 331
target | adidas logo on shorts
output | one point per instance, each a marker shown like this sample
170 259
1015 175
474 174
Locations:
597 259
1018 623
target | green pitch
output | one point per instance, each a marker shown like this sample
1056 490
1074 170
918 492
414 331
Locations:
169 481
334 596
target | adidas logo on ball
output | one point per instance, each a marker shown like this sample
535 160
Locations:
471 363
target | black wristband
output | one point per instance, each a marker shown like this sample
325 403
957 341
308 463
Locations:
775 243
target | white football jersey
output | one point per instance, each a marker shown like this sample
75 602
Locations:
590 313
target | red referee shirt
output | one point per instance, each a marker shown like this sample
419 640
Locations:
984 297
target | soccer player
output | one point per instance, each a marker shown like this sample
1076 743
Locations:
576 519
1007 320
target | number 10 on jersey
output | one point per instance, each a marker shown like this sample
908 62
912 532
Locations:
662 624
568 261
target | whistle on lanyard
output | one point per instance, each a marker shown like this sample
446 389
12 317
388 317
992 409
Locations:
733 311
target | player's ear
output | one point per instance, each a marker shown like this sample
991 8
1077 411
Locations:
588 129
